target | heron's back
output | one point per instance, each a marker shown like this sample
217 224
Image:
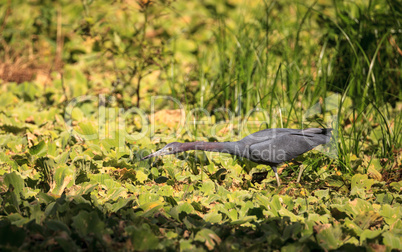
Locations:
275 146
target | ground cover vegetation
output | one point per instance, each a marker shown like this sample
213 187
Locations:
87 88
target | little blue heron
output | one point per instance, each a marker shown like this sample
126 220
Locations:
270 146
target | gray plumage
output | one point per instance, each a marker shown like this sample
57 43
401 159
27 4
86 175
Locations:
270 146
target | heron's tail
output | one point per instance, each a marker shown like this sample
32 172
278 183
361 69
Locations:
321 136
327 131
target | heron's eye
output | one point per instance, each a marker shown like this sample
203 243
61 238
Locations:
169 148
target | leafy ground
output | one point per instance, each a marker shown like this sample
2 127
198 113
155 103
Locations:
78 110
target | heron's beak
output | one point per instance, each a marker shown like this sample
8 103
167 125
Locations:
160 152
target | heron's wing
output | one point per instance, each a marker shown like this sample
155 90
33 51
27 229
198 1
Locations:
267 135
285 147
319 135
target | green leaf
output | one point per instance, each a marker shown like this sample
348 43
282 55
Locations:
57 226
142 237
87 131
181 210
397 186
293 231
392 241
234 215
353 226
11 235
7 99
170 200
360 184
17 219
141 176
390 214
243 220
275 205
328 236
369 234
119 204
150 208
27 91
208 237
86 223
161 179
39 149
15 180
322 194
62 158
284 212
185 207
63 177
213 217
384 198
77 114
317 218
208 187
367 219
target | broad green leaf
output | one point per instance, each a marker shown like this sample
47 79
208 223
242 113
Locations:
170 200
374 169
185 207
142 237
45 198
384 198
86 188
113 208
369 234
141 176
360 184
15 180
392 241
64 177
17 219
275 205
353 226
283 212
208 237
208 187
11 235
368 219
292 231
317 218
397 227
148 197
181 210
39 149
213 217
397 186
27 91
7 99
161 179
322 194
77 114
150 208
328 236
87 131
233 214
391 214
86 223
57 226
243 220
76 80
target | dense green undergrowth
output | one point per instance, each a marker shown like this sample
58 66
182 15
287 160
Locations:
96 87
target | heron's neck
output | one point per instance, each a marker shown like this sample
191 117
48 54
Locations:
233 148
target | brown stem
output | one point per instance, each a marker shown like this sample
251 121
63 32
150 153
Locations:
138 90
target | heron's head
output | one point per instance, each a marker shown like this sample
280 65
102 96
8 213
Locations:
170 148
